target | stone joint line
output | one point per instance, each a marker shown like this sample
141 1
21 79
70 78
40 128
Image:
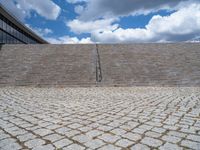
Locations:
98 65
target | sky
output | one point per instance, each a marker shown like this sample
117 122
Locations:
110 21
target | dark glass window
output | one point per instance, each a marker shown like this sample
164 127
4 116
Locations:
9 39
23 37
4 37
20 35
1 36
4 24
8 28
11 34
12 30
1 23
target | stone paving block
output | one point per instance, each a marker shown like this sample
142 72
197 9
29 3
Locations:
126 127
132 124
62 143
140 147
139 130
7 141
151 142
190 144
132 136
74 147
158 130
171 139
115 124
63 130
53 137
124 143
188 130
25 125
146 127
118 131
109 138
18 132
94 125
1 131
82 138
44 147
94 133
110 147
105 128
85 129
72 133
44 124
177 134
11 146
11 129
4 136
153 134
170 146
103 122
94 144
33 128
53 126
155 124
195 138
25 137
43 132
170 127
75 126
34 143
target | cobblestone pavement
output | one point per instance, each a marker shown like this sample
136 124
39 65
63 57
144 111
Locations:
99 118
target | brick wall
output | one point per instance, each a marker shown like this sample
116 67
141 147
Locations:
118 65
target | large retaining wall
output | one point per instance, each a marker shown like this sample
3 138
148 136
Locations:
100 65
47 65
151 64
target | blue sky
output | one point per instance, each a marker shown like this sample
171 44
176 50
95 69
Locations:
103 21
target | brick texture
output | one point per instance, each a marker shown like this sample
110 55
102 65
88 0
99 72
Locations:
120 65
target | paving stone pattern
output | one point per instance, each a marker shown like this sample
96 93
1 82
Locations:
136 118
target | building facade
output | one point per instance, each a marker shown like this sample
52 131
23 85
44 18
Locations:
12 31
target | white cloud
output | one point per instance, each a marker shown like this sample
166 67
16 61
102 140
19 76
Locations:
60 40
69 40
9 4
39 31
76 1
78 9
22 8
78 26
100 19
182 25
97 19
195 40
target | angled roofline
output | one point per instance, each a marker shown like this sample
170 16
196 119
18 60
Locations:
6 13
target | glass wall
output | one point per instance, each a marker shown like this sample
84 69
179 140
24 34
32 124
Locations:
11 34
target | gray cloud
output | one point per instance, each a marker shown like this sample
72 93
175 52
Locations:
22 8
105 8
